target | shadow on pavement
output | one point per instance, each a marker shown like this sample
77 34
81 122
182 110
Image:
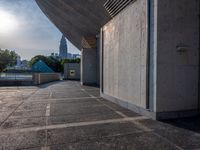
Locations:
190 123
45 85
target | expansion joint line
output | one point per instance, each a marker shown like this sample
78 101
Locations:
11 113
70 125
50 92
22 98
88 93
47 114
135 122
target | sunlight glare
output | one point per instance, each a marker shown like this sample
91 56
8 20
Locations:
8 22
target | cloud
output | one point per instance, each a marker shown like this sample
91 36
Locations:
36 34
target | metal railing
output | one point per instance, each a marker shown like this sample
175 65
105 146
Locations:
16 76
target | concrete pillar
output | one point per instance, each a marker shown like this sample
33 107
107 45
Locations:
177 56
89 66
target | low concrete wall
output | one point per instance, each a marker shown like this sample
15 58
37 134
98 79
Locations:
72 71
40 78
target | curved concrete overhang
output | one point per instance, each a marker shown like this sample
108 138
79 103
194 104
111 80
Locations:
79 20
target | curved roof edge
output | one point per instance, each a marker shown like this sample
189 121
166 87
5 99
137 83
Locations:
76 19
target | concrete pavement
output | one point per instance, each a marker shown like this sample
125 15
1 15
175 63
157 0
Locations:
67 116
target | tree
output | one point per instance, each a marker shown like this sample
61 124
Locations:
7 58
53 63
75 60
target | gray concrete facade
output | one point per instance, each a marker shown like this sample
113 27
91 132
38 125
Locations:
177 55
151 58
72 71
89 69
149 52
125 55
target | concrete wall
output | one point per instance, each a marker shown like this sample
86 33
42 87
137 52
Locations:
177 55
72 66
40 78
89 69
125 55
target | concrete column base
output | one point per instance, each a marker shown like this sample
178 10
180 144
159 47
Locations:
89 67
150 114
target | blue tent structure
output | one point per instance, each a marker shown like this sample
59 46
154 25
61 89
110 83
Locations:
42 67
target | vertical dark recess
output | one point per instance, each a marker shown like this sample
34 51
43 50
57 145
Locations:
199 64
148 55
102 59
98 59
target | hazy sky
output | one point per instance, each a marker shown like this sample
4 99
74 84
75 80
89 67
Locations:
25 29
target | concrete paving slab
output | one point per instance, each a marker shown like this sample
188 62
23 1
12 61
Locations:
95 93
9 106
28 114
60 100
116 107
76 101
70 95
22 140
89 88
34 148
65 115
78 134
79 104
183 138
137 141
39 97
24 122
56 111
4 116
81 118
32 106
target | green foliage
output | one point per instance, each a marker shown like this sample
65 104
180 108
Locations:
53 63
76 60
7 58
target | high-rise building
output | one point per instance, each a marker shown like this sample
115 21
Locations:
18 61
63 49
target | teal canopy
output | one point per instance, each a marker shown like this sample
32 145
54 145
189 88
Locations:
42 67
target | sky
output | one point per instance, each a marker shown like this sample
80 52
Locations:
26 30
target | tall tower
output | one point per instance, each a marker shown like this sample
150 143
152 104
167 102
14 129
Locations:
18 61
63 50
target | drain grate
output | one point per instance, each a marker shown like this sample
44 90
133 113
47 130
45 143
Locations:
115 6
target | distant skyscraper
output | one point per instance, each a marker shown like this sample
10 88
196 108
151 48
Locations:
18 61
63 53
